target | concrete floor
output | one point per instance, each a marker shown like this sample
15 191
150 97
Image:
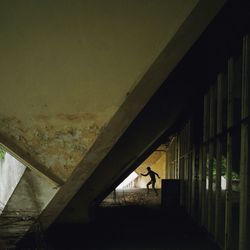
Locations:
134 220
132 227
132 196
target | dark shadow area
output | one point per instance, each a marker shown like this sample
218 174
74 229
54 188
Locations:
132 227
130 219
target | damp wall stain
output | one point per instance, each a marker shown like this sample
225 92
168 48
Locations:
57 142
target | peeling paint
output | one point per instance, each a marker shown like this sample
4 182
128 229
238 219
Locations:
57 142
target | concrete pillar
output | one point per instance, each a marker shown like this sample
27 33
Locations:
218 213
244 161
228 215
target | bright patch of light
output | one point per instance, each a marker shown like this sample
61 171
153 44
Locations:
223 183
11 171
130 178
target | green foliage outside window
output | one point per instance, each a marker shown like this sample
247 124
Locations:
235 176
2 154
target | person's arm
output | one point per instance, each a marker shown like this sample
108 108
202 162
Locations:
157 175
145 174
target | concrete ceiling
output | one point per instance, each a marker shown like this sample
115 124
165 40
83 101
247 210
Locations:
66 67
75 74
80 53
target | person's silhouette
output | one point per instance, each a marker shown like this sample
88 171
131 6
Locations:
152 181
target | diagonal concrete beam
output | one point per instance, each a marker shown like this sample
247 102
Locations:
188 32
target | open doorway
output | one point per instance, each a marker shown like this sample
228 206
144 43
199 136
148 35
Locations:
133 190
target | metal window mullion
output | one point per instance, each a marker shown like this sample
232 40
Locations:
175 156
204 161
190 166
189 169
218 157
178 158
201 194
169 162
174 160
190 183
171 165
244 160
203 185
185 166
182 169
211 152
193 200
228 212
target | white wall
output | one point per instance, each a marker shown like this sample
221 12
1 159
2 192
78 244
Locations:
11 172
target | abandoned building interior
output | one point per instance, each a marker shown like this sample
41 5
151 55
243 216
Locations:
94 93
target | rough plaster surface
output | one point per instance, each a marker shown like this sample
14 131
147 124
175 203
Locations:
58 143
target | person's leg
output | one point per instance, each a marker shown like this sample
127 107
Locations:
153 185
148 186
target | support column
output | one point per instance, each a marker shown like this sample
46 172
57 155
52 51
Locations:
211 160
218 158
228 214
244 161
204 160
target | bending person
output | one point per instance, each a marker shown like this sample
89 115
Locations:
152 181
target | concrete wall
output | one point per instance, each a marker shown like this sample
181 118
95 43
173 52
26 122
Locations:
11 172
